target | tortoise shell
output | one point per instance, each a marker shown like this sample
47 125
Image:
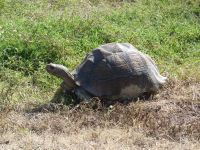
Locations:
118 70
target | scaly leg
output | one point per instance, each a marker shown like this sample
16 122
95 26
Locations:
82 94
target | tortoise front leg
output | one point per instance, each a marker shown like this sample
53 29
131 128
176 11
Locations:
147 96
82 94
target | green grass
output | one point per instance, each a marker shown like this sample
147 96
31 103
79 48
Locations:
34 33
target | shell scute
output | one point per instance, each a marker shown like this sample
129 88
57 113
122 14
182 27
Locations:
117 70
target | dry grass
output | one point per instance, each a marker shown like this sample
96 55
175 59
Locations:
34 33
170 121
89 139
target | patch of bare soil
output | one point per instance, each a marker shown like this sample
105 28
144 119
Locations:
170 121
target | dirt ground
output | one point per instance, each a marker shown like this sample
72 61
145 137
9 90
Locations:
170 121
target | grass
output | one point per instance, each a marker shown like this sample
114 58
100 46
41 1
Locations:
34 33
171 120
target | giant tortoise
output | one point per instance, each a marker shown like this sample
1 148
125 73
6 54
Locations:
111 71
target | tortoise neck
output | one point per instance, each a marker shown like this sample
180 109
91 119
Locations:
68 79
62 72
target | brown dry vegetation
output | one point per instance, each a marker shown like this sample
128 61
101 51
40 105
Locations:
170 121
36 32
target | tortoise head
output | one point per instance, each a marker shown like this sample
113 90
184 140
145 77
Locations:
62 72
